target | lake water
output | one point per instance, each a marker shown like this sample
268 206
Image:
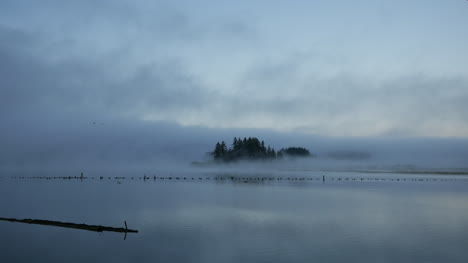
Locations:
350 217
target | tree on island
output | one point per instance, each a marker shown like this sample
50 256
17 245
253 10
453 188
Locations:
253 149
294 152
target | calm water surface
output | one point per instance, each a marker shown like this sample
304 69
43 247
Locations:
233 221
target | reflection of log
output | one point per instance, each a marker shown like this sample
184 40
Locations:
71 225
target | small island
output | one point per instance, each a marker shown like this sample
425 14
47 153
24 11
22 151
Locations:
253 149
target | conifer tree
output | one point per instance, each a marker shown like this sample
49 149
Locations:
223 149
235 144
217 151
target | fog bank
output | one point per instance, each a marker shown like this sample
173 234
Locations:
62 145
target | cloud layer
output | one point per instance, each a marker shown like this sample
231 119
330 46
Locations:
361 73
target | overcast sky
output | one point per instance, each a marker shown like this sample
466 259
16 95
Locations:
334 68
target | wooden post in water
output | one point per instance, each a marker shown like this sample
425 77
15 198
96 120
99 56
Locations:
323 178
126 228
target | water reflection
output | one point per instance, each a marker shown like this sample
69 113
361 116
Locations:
222 221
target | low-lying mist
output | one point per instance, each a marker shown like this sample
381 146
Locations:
65 146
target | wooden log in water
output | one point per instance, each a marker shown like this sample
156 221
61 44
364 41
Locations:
71 225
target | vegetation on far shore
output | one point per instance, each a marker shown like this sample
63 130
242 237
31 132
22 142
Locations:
253 149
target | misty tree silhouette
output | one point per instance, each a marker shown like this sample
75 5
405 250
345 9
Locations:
253 149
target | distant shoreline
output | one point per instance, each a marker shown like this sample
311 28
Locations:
436 172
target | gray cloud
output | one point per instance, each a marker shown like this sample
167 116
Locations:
166 89
344 103
30 83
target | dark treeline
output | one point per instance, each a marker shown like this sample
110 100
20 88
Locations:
253 149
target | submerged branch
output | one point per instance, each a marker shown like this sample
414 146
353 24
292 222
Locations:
70 225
